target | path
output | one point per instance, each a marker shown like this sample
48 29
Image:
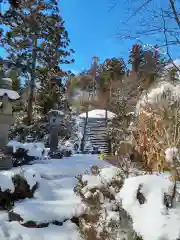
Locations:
54 201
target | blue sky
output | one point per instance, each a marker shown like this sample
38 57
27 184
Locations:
93 29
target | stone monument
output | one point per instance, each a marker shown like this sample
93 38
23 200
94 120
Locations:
55 120
8 98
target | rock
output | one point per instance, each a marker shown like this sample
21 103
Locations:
67 153
8 150
14 217
56 155
32 224
6 161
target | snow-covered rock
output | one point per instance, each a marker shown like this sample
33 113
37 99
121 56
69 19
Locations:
11 94
34 149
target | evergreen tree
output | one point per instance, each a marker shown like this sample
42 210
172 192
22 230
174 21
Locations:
50 93
37 39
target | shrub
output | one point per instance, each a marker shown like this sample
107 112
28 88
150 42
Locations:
22 190
104 218
102 156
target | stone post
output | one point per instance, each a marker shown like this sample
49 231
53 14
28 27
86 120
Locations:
7 98
55 119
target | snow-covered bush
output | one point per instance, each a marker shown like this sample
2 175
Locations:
18 186
157 126
66 147
104 217
38 130
34 149
147 199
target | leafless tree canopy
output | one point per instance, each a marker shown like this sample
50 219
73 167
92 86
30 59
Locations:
150 21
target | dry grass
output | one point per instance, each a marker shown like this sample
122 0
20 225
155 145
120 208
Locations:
157 131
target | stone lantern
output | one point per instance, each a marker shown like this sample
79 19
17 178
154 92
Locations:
8 98
55 118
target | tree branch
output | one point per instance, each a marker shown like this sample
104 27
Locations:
166 41
175 12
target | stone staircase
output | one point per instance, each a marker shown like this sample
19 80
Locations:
96 133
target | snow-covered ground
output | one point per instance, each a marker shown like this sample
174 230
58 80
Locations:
54 200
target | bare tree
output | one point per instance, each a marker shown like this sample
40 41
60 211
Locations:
157 20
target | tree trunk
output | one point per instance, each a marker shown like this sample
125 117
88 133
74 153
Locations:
84 133
32 84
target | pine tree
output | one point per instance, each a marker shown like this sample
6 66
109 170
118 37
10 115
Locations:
37 39
51 93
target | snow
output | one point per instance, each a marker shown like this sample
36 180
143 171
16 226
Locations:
98 113
6 182
176 62
54 200
170 154
92 181
36 149
31 177
108 173
67 145
49 211
151 220
14 231
11 94
162 93
103 178
56 112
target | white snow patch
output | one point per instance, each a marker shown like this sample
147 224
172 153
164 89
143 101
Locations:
171 153
92 181
13 95
14 231
67 145
31 177
108 173
98 113
48 211
35 149
151 220
6 182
